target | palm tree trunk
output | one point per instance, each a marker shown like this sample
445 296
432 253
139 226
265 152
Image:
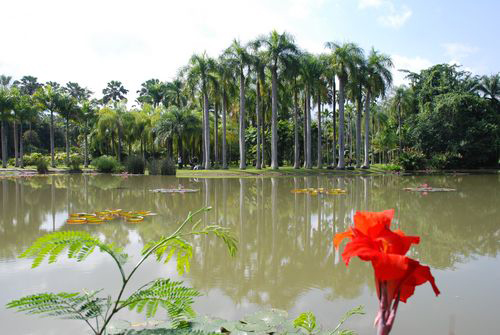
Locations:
120 143
224 143
216 133
21 145
341 164
4 144
52 160
358 132
274 118
180 147
86 143
257 111
67 141
16 144
399 126
334 144
206 126
263 137
366 164
296 163
304 130
320 159
243 163
308 131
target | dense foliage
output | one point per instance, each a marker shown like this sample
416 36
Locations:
264 103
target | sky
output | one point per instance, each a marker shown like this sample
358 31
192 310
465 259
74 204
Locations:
92 42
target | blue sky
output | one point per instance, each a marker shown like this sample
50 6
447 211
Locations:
95 41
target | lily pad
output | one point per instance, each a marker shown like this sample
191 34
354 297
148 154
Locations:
175 190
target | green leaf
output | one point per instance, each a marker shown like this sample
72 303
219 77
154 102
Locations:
170 295
81 306
79 244
165 249
306 321
222 233
358 310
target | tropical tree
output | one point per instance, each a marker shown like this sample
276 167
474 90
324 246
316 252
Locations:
279 47
26 110
174 93
152 91
77 92
240 59
177 122
7 102
201 67
46 96
67 107
5 81
28 85
345 58
114 92
490 87
226 78
88 116
400 104
354 89
378 79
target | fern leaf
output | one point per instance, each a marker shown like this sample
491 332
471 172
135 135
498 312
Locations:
166 249
306 321
224 234
170 295
79 244
81 306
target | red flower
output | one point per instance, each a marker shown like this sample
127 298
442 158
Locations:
396 275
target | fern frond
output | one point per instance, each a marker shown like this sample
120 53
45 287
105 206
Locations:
170 295
165 249
81 306
306 321
79 244
222 233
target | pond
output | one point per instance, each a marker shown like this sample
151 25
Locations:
286 259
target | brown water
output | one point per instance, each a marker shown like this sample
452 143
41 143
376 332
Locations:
285 260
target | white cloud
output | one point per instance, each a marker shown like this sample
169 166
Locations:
396 18
393 17
95 41
413 64
370 3
458 51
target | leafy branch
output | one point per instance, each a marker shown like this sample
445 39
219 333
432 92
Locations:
172 296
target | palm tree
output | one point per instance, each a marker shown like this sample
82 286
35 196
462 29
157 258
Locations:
26 110
5 81
378 80
67 106
77 92
278 48
174 94
400 103
88 114
28 85
329 73
152 91
490 87
345 57
201 67
46 96
114 91
227 81
6 105
238 56
354 90
179 122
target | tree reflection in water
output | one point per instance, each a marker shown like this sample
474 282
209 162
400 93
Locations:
285 238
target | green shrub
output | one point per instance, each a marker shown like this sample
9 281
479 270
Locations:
389 167
74 162
31 159
11 161
412 159
135 165
164 167
42 166
447 160
106 164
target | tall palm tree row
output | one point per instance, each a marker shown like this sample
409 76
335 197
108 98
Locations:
269 75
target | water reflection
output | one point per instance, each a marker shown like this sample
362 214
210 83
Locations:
285 248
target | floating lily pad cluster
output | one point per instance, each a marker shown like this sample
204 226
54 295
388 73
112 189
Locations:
316 191
108 215
427 188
